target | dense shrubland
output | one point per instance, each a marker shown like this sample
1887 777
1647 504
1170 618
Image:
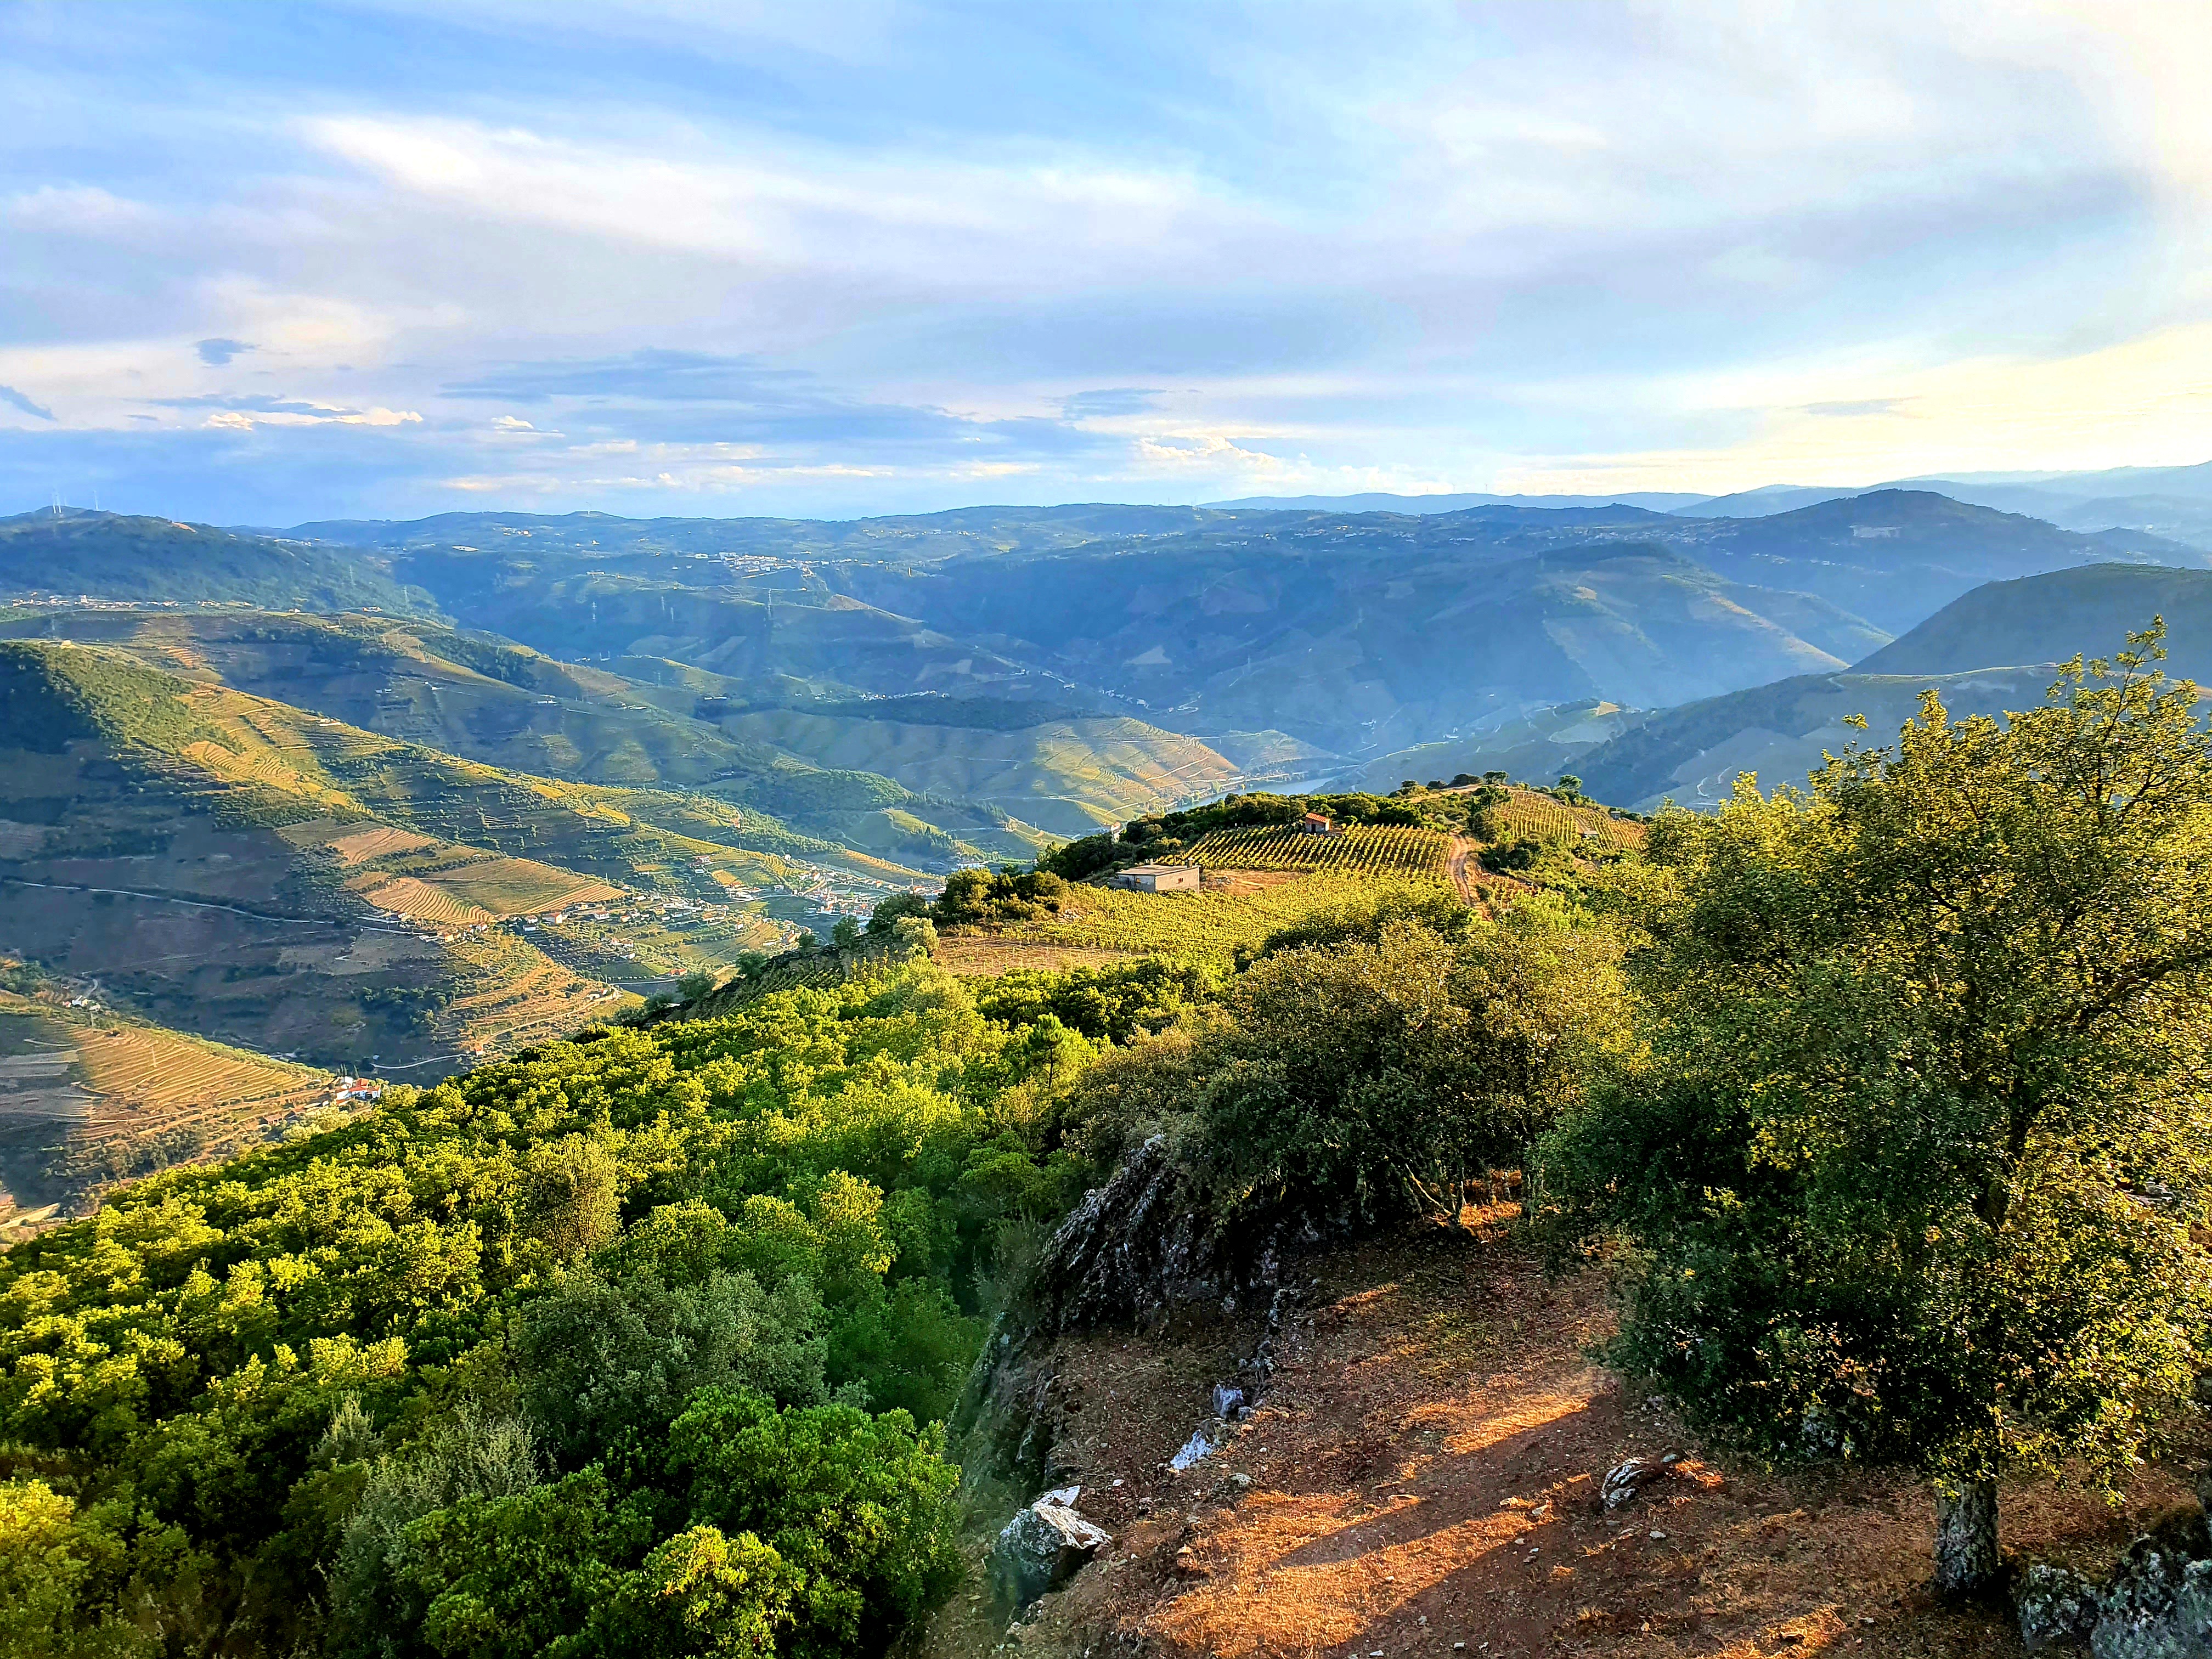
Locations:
630 1334
1886 1098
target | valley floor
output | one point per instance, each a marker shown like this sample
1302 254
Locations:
1423 1472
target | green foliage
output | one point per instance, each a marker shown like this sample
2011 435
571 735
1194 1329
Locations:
982 897
1369 1077
1115 1003
426 1369
1921 1156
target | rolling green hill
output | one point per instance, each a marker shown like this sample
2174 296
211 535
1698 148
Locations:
110 556
242 870
855 770
2046 619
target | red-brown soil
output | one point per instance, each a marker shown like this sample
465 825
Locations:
1423 1472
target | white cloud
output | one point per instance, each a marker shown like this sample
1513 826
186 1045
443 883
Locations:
79 210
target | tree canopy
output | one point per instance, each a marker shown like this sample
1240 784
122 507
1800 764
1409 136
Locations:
1915 1152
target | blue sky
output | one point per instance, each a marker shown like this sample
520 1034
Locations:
266 263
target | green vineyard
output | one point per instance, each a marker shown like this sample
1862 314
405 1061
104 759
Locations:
1358 849
1534 816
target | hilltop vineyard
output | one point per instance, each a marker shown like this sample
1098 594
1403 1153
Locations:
1534 816
1357 850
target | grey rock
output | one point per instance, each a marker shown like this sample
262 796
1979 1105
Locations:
1227 1401
1041 1549
2058 1607
1625 1480
2158 1602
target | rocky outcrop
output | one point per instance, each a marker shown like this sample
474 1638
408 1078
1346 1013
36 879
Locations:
1134 1253
2058 1607
2155 1604
1042 1548
1136 1248
2158 1602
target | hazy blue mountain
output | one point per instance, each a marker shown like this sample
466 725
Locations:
2171 502
1993 649
1659 500
1895 556
1693 755
113 556
2047 619
1352 633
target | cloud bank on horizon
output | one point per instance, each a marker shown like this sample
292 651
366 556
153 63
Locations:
683 256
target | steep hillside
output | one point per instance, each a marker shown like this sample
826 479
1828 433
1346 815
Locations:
1693 754
238 869
2040 619
1894 557
111 556
88 1097
484 699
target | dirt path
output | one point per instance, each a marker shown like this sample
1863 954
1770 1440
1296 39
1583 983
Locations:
1423 1473
1462 849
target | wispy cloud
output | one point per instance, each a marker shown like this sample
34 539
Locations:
862 255
16 399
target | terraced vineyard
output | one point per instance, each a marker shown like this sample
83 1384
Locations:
1210 926
1361 849
518 996
83 1095
1535 816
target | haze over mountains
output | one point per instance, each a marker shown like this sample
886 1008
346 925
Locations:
391 797
2173 502
1115 656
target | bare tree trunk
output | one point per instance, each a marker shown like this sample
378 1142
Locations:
1966 1562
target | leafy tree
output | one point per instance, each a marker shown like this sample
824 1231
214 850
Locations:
1373 1076
1916 1159
862 1507
980 897
606 1365
301 1396
62 1576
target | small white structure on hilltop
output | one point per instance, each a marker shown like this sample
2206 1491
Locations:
1159 877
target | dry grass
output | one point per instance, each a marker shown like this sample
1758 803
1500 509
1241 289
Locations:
977 953
1423 1472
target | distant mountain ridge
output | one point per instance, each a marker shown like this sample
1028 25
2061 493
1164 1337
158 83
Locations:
1991 651
1346 634
1375 502
113 556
